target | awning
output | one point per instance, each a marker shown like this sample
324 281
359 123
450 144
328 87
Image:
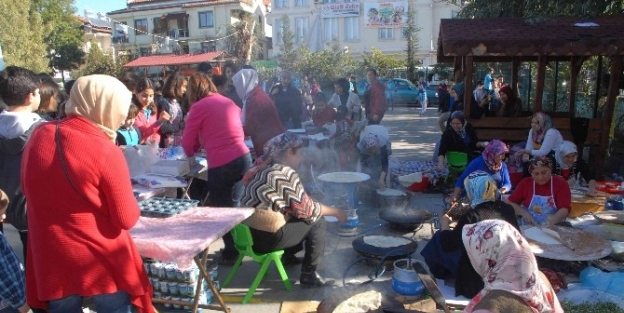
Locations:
170 59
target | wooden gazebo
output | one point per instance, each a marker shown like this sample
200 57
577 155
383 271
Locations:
465 41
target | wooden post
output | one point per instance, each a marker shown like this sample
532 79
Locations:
539 88
513 82
575 67
616 71
467 85
457 69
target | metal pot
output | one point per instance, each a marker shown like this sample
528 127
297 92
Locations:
405 217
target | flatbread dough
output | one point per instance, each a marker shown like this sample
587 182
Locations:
386 241
344 177
360 303
540 236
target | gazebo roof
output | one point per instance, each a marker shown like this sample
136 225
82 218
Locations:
514 37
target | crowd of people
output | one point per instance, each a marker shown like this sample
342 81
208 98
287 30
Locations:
63 158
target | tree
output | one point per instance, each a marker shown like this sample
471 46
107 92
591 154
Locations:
243 44
287 57
326 65
381 61
96 62
63 33
537 10
412 43
21 36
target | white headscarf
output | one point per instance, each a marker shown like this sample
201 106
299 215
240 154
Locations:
244 82
101 99
564 149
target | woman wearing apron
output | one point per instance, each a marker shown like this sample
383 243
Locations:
542 199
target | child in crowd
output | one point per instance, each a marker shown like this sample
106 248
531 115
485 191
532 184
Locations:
344 140
172 127
322 114
127 134
146 121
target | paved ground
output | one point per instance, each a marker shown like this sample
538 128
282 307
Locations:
413 138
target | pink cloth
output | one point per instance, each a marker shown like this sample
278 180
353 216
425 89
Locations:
180 238
215 123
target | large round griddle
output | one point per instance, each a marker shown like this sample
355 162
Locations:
328 305
405 217
391 253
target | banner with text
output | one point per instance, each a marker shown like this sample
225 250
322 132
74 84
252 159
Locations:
386 14
347 9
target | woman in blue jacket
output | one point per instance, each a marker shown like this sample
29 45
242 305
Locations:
491 162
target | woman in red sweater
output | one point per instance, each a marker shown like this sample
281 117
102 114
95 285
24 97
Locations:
81 206
214 121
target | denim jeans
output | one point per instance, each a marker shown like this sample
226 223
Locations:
9 310
118 302
226 190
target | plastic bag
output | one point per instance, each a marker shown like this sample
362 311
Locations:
612 282
141 158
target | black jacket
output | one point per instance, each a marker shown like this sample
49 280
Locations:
167 129
288 103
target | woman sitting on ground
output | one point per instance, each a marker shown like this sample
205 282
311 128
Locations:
286 217
510 105
459 136
511 277
491 162
568 165
542 199
445 253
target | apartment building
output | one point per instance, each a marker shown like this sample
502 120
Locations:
98 30
182 27
360 26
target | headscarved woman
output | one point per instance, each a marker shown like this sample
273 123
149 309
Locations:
568 165
511 278
81 207
510 104
491 162
375 148
445 254
543 137
286 217
542 198
459 137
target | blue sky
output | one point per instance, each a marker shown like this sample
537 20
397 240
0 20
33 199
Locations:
103 6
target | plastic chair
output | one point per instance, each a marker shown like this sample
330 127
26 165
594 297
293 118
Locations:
457 162
244 243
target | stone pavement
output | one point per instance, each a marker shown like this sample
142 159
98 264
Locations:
413 138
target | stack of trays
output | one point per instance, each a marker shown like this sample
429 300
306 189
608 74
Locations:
165 207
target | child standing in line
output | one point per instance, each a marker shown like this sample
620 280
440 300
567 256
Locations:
127 134
147 121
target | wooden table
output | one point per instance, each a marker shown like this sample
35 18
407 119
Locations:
183 237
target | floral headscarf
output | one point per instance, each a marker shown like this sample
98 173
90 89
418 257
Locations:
480 187
545 123
503 258
369 141
492 150
273 149
564 149
539 162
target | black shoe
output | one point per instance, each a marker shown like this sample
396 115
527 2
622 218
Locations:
313 279
288 260
227 260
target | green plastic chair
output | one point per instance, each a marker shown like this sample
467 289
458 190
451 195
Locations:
457 162
244 243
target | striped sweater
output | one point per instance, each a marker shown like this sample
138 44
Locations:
278 195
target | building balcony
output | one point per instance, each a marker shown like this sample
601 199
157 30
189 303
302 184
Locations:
179 33
120 40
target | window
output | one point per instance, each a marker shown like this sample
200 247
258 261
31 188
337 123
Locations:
329 1
301 3
144 52
301 29
352 28
386 33
280 4
279 31
140 27
331 29
208 46
206 19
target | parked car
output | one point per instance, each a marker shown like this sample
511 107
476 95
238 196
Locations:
406 92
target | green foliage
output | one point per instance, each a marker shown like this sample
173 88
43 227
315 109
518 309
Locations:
96 62
62 34
243 44
599 307
21 36
325 65
537 10
287 58
381 61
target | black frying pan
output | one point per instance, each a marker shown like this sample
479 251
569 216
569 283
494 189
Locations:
376 252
